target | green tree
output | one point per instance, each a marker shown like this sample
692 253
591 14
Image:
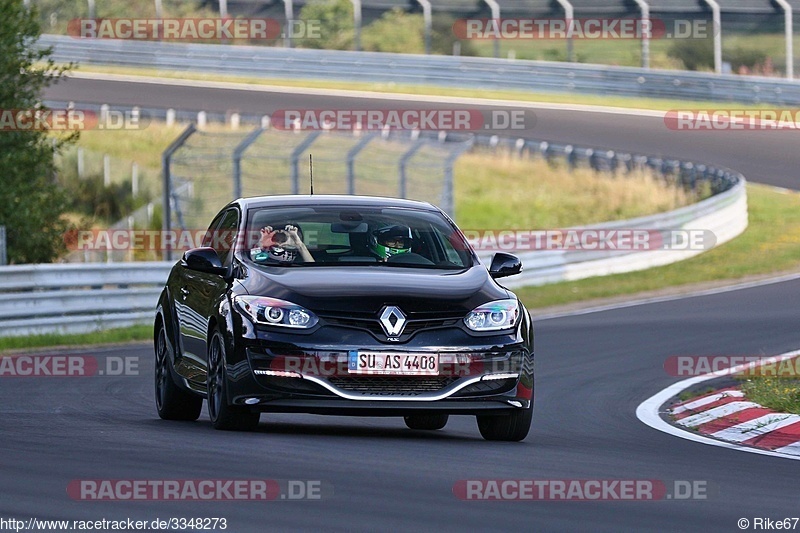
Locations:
443 38
395 31
336 24
401 32
696 54
31 201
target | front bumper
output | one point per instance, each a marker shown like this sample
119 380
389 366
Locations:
280 377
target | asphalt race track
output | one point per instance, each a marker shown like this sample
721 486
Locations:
763 156
592 372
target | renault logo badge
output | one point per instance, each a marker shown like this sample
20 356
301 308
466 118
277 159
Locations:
392 320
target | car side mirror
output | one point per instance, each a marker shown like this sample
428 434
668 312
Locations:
504 265
204 260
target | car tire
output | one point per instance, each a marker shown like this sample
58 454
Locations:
513 427
223 415
427 422
172 402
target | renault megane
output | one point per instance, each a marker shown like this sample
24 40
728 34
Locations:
343 305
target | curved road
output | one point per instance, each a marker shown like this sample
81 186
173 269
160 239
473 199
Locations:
592 372
763 156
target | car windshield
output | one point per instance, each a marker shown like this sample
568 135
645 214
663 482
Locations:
348 236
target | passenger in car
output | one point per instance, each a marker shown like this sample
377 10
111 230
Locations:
281 246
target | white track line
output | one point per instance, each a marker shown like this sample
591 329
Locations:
756 427
648 413
792 449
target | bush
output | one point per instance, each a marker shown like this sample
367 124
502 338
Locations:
442 37
395 31
745 57
336 24
695 54
404 33
90 197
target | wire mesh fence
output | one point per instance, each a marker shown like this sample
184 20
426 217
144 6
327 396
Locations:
204 169
215 166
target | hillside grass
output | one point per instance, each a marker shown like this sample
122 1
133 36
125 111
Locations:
492 190
770 244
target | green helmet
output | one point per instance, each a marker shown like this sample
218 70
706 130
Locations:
391 240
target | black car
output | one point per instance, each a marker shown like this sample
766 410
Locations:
343 305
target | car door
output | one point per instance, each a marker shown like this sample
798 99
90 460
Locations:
199 294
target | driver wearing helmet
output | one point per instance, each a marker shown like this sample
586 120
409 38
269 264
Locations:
390 241
281 246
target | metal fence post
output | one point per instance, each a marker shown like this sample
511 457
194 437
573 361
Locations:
288 7
351 161
495 8
302 147
357 25
788 31
647 28
237 160
404 159
716 17
167 178
569 15
3 247
427 17
448 205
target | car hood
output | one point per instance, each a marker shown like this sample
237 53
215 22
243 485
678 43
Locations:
359 290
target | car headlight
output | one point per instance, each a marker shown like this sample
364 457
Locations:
492 316
274 312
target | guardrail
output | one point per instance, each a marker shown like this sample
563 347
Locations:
77 298
724 215
449 71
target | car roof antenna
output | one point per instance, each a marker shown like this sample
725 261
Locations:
311 172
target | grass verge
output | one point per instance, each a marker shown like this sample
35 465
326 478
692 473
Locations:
109 336
500 191
778 393
770 244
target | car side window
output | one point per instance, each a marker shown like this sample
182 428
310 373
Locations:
221 235
209 236
450 251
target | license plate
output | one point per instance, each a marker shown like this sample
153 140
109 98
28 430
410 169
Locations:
395 364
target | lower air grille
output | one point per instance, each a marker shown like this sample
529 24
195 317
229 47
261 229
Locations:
391 384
